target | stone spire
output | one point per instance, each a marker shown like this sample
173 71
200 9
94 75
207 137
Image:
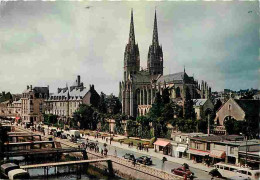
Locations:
155 54
132 30
155 32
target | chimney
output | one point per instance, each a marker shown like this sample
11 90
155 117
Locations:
28 87
78 80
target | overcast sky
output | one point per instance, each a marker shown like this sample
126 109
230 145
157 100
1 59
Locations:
50 43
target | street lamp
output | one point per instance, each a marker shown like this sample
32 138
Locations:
110 131
245 137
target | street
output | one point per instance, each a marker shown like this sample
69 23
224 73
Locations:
157 163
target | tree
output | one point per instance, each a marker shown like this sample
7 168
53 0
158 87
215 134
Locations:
118 125
165 96
50 118
113 104
86 116
102 103
144 130
236 127
188 111
217 105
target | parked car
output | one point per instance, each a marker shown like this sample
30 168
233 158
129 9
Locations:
129 156
182 171
144 160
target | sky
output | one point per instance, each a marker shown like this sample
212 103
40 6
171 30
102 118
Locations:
50 43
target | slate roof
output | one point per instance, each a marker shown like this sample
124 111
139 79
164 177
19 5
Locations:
175 77
251 107
43 90
76 93
219 138
142 77
199 102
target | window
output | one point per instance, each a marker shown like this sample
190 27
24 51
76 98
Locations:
229 107
226 168
232 169
231 150
208 146
243 172
220 167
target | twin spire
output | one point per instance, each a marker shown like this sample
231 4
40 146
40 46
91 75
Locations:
132 31
155 31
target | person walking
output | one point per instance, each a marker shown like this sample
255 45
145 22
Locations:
115 153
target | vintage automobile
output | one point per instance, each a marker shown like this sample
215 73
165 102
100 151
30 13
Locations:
129 156
144 160
183 171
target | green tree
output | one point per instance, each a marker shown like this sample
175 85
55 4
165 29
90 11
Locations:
102 107
113 104
86 116
165 96
118 125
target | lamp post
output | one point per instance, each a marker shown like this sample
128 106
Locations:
245 138
110 131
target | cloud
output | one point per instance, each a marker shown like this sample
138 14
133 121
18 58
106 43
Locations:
49 43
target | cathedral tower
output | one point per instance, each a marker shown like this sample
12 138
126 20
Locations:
131 56
155 54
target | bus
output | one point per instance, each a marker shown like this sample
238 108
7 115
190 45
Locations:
231 170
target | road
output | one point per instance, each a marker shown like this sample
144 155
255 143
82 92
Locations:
157 163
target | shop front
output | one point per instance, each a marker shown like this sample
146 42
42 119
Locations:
217 156
163 146
198 156
181 151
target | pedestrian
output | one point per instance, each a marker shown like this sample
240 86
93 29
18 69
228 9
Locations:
134 161
147 149
164 159
105 151
102 152
115 152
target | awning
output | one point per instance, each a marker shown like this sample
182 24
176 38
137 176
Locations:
161 143
217 154
198 152
180 149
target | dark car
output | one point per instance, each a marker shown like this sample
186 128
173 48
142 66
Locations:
182 171
144 160
129 156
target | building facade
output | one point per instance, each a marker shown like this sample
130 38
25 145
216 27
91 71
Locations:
66 100
203 107
32 104
138 89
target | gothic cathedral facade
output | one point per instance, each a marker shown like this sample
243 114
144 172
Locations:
138 89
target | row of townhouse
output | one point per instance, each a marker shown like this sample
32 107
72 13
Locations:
67 100
211 149
10 109
36 101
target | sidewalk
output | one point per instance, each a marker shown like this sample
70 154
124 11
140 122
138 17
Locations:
154 154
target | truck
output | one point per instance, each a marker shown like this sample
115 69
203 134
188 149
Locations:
72 133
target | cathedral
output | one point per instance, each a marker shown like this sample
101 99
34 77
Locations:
138 89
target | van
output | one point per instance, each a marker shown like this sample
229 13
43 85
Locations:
231 170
